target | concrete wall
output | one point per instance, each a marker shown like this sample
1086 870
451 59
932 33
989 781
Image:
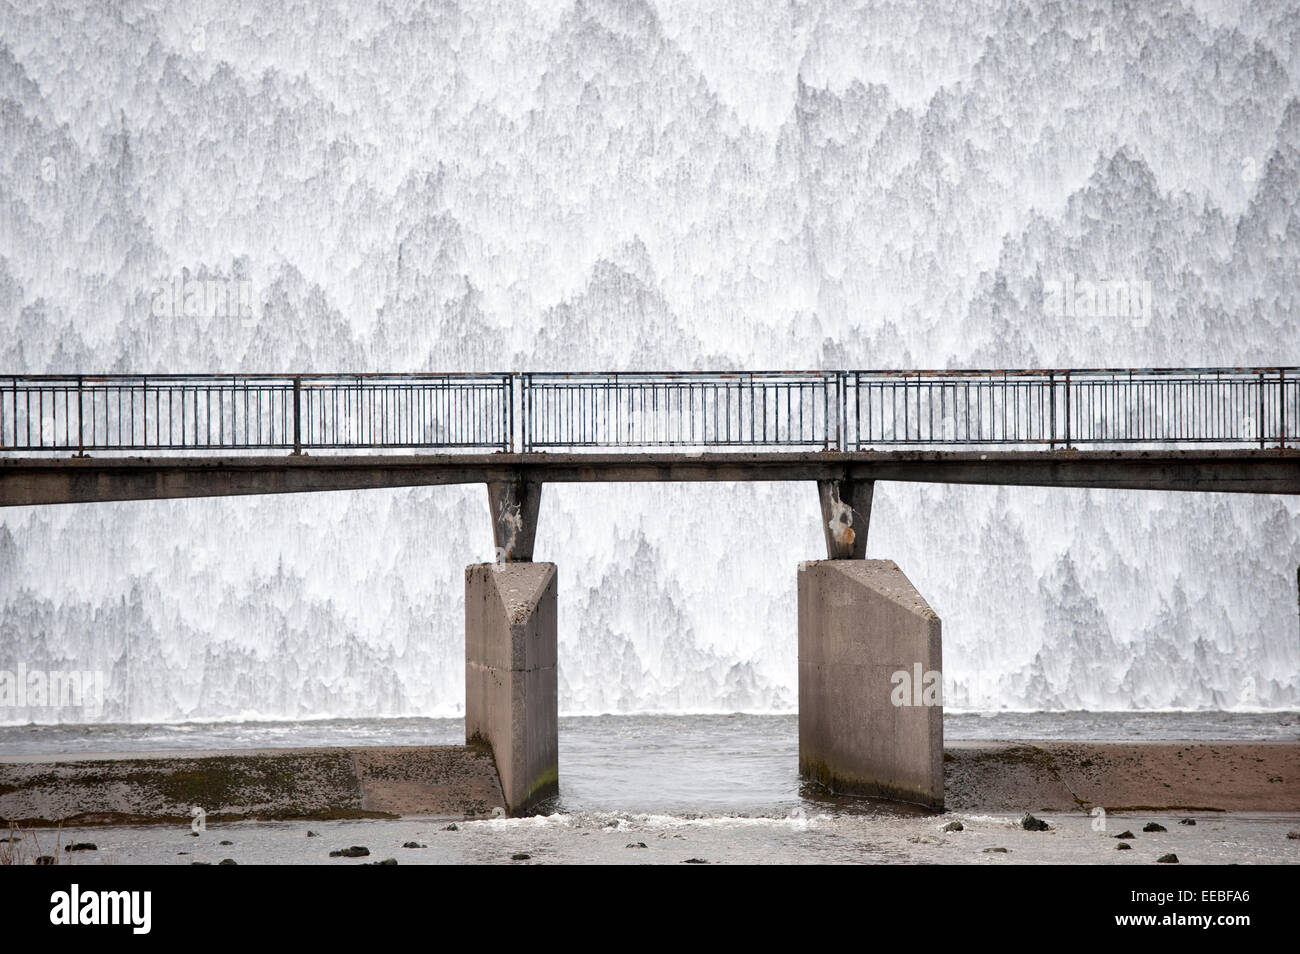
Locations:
323 783
860 622
511 696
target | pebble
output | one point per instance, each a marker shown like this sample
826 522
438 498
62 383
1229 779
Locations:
356 851
1029 823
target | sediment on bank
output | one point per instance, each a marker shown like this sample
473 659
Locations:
461 781
322 783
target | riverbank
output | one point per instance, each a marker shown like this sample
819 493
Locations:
876 836
456 782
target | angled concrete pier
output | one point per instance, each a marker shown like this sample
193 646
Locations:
846 517
513 505
511 695
870 683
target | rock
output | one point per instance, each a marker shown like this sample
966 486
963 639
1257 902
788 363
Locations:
953 826
1154 826
200 862
452 827
636 844
520 856
225 843
386 861
81 846
227 861
46 860
1169 859
695 861
312 834
1293 834
414 844
1126 834
1029 823
1123 846
997 851
1188 821
356 851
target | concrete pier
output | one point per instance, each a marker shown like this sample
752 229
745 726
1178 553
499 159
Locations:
513 505
870 683
846 517
511 695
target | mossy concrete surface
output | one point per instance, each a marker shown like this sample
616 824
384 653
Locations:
511 677
860 623
1240 776
323 783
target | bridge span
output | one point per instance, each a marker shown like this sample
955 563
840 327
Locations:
83 438
88 438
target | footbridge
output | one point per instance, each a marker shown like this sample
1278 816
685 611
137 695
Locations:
91 438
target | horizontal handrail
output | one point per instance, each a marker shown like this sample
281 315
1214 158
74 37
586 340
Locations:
750 410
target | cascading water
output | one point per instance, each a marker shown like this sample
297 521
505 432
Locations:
494 185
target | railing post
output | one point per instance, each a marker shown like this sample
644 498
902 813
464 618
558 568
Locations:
81 420
297 413
1067 410
826 412
525 397
1051 405
842 410
1281 407
510 411
1263 431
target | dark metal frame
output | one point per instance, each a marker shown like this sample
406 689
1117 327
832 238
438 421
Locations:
296 412
807 410
768 409
1157 407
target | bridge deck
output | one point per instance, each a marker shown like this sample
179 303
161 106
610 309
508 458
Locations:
45 480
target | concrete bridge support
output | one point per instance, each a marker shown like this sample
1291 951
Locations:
846 517
514 504
870 683
511 694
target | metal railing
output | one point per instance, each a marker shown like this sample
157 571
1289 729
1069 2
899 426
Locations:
687 409
255 412
809 410
1152 407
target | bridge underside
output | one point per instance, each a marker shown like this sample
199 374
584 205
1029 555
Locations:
26 481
